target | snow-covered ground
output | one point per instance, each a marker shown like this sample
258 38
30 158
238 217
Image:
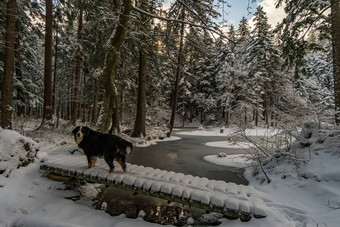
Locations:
308 195
28 198
155 141
229 132
235 160
226 144
304 196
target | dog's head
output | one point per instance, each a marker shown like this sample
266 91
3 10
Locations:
80 132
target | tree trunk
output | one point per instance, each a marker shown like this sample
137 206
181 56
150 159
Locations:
183 115
178 72
58 109
265 103
121 110
95 104
115 115
55 69
335 12
115 129
227 117
18 74
7 81
139 128
245 116
110 68
48 111
68 101
75 100
191 112
84 100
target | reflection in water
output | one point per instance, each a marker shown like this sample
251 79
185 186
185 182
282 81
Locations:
156 210
171 155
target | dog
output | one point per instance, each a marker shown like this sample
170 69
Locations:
95 144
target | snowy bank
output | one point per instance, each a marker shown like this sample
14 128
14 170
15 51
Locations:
28 198
305 179
145 143
236 160
15 151
230 131
226 144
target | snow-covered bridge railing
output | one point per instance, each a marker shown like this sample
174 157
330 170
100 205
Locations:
232 200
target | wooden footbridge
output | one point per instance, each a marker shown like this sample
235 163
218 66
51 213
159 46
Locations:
229 199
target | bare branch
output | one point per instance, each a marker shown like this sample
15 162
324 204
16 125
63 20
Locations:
214 30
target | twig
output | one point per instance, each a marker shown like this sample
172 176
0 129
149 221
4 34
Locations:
332 206
214 30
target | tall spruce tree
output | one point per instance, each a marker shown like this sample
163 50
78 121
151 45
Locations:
7 81
262 57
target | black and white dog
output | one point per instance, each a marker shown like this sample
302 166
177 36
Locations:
95 144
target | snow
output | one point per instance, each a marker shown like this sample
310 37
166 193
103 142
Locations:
28 198
226 144
185 187
155 141
236 160
15 151
230 131
307 196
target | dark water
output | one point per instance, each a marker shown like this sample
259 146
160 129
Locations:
186 156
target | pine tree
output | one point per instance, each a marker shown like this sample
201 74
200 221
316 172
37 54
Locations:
263 59
7 82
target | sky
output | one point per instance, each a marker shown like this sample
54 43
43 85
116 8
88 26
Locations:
239 8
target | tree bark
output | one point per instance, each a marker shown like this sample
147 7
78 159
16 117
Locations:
75 100
95 104
84 100
18 74
7 81
48 111
115 129
335 15
121 110
139 128
265 104
110 68
178 72
54 95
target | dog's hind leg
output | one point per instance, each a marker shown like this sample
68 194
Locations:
89 161
121 161
109 161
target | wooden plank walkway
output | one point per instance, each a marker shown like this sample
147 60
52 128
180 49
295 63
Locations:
229 199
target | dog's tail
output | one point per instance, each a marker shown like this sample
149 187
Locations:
129 148
125 147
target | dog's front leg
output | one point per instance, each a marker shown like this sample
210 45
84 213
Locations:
93 161
89 161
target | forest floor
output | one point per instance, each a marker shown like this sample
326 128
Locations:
304 190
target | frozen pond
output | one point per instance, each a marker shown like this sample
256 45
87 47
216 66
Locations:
186 156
